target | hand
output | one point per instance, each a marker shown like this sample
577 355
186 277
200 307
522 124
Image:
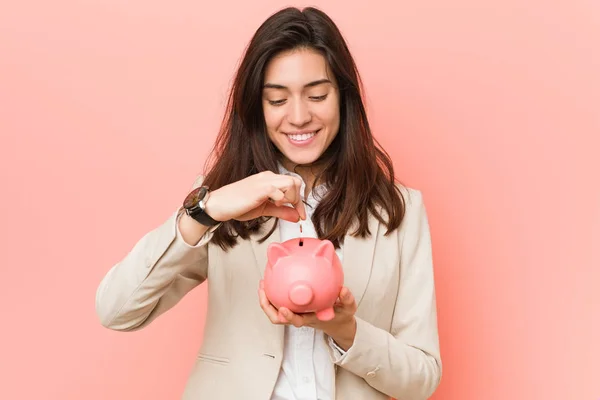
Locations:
262 194
342 328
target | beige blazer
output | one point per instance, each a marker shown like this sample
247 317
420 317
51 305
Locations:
396 348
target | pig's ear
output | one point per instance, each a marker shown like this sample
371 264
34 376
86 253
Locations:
325 249
275 251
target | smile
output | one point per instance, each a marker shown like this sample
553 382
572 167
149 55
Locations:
302 137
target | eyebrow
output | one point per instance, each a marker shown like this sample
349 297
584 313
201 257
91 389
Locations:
311 84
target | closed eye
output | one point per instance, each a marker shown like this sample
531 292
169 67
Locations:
276 102
280 102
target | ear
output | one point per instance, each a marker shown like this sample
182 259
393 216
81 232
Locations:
325 249
275 251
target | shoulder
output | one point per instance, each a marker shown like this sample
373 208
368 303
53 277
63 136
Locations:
414 208
409 204
410 194
412 197
410 209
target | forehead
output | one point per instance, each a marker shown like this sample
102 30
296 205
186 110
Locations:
296 68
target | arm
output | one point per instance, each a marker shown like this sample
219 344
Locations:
160 269
404 363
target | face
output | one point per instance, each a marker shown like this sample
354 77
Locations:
301 105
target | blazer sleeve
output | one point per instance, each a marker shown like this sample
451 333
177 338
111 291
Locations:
405 362
156 273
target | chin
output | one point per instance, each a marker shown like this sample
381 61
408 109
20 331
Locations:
301 159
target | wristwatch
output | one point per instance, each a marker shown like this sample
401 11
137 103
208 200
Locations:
195 203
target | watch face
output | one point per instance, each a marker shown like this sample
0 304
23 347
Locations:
194 197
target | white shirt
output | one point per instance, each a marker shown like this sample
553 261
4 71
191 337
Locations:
307 370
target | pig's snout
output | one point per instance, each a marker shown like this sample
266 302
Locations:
301 294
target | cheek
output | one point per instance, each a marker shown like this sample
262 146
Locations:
272 120
331 117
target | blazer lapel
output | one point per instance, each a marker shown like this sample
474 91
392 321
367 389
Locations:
260 255
260 249
357 259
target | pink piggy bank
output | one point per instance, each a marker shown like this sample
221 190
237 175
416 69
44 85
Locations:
304 275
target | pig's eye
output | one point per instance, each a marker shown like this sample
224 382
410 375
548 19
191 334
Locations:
301 243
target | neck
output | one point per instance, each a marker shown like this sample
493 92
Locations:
307 173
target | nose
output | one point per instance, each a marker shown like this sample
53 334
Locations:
299 114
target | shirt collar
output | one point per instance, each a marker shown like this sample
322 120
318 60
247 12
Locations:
319 190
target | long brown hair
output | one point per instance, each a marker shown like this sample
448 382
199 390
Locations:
358 172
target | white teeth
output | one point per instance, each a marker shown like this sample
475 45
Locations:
303 137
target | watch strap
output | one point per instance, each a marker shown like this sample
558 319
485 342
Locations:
194 206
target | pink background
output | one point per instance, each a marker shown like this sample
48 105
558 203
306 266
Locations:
491 108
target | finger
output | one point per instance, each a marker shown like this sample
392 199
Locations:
291 186
277 197
282 319
282 212
310 319
267 307
299 206
291 318
290 191
298 203
347 298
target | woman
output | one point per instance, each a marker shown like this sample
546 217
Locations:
295 153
